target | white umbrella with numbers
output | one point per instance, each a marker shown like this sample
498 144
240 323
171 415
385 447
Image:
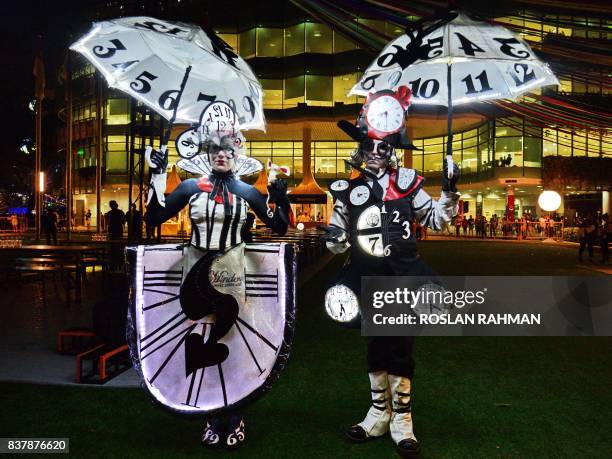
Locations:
177 69
452 59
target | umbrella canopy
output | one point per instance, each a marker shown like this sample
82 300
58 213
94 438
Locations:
488 62
177 69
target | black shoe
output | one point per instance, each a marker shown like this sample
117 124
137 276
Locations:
211 437
236 433
408 448
356 434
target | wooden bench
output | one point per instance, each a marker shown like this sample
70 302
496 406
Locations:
106 363
77 337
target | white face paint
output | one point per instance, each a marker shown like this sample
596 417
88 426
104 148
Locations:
222 152
376 159
221 161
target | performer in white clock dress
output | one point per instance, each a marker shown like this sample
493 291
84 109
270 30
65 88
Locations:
214 318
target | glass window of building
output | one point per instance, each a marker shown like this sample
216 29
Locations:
579 143
508 127
343 152
532 150
318 38
509 151
565 85
342 86
319 90
262 151
325 159
594 144
372 24
433 155
117 111
116 153
579 30
469 156
393 30
269 42
342 44
272 93
294 40
549 142
606 144
247 44
565 143
294 91
231 39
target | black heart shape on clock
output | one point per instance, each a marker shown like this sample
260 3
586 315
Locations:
198 298
200 354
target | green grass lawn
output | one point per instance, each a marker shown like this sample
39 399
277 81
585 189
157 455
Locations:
472 397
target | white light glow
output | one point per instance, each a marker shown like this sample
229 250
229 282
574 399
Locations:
300 227
41 182
549 201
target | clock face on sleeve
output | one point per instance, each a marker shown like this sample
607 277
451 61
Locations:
385 114
180 362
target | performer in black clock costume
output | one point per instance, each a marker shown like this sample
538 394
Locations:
371 218
218 207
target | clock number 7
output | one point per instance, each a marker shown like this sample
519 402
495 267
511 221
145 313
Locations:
373 240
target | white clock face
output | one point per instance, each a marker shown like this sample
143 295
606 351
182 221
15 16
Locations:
188 144
178 367
341 303
369 233
339 185
360 195
385 114
219 116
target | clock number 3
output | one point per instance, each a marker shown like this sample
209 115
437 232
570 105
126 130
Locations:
406 225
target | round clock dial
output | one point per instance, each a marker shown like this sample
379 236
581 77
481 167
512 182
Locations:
341 303
359 195
183 367
219 116
385 114
339 185
188 144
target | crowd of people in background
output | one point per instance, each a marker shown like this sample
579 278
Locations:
496 226
593 229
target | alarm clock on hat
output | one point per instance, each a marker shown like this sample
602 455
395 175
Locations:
382 117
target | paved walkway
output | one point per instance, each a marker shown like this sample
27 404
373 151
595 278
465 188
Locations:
31 320
28 331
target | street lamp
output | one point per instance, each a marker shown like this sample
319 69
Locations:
549 201
41 182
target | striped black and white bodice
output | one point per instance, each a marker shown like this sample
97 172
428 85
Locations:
212 227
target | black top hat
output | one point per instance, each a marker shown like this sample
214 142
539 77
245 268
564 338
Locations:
358 133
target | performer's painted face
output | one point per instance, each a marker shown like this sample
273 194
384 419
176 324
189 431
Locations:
222 155
376 153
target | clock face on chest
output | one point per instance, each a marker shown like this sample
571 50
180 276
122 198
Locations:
198 363
385 114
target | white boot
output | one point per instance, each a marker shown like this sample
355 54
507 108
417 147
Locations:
401 418
376 422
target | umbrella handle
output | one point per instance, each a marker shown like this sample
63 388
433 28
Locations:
450 166
176 105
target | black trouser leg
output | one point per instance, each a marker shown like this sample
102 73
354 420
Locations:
391 353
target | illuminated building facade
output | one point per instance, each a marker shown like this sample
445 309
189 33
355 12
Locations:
306 69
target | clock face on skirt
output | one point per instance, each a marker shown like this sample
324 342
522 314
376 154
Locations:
235 343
